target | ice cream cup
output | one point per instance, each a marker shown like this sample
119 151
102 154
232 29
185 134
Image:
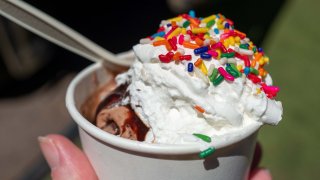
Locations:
117 158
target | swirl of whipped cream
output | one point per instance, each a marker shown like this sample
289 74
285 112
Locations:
174 101
164 96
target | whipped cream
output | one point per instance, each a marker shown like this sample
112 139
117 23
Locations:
164 95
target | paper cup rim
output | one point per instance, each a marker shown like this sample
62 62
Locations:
132 145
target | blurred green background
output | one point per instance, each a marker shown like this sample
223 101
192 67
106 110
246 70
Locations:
291 149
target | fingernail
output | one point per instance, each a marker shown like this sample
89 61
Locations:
50 151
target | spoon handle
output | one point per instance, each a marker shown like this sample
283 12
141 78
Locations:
49 28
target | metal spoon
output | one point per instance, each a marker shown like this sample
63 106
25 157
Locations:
49 28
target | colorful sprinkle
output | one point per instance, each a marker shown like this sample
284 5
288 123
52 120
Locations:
231 71
228 55
181 39
213 75
185 57
190 45
199 109
169 32
192 13
190 67
203 137
216 31
176 32
194 21
176 56
218 80
244 58
271 91
173 44
200 50
246 70
208 19
254 71
213 53
160 42
198 62
163 58
203 68
199 30
240 34
198 41
244 46
210 23
207 152
220 46
225 74
158 34
255 79
205 56
186 24
233 66
227 26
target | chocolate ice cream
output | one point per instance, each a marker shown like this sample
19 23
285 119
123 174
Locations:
114 117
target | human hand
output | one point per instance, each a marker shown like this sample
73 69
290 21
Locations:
66 160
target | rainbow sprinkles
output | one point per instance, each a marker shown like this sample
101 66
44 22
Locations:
222 54
212 38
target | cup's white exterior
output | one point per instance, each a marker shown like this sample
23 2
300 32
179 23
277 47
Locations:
117 158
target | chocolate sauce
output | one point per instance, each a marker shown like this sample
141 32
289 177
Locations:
114 98
129 125
139 128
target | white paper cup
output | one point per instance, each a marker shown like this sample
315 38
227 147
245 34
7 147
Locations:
116 158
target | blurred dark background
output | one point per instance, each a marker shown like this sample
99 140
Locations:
34 73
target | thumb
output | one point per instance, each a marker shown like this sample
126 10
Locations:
65 159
